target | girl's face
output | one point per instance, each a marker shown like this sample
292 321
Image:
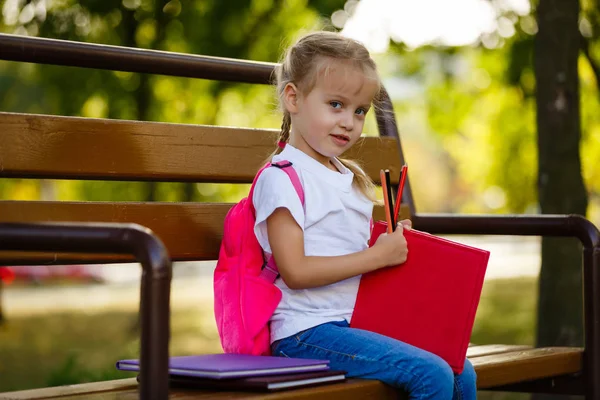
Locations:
329 119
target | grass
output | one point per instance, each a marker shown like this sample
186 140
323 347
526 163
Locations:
73 347
67 348
506 312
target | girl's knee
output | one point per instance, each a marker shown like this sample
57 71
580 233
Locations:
468 373
466 382
441 381
432 379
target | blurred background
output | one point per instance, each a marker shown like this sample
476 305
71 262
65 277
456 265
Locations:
462 80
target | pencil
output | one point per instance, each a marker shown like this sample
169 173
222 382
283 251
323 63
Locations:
386 202
388 186
403 173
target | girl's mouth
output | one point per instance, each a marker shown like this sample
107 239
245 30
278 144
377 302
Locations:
340 140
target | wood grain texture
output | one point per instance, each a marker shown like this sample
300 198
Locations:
519 366
190 231
44 146
489 349
126 389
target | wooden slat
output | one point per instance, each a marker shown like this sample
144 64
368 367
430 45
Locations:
490 349
69 390
190 231
127 389
520 366
43 146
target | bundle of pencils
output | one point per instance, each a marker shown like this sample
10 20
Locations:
391 211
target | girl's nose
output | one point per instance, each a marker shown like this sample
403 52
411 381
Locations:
347 121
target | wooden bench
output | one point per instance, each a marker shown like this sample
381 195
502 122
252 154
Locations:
58 147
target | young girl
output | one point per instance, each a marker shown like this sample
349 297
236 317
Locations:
326 85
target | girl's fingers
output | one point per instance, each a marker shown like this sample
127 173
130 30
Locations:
400 226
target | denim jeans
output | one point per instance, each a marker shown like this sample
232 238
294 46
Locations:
369 355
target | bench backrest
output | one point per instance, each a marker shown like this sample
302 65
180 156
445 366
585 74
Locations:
51 147
54 147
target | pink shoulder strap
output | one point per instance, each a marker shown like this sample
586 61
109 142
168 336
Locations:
270 272
286 166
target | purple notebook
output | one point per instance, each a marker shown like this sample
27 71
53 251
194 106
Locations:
219 366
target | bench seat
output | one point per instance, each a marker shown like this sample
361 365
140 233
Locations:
496 365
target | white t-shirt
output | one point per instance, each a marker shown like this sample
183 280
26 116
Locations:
336 221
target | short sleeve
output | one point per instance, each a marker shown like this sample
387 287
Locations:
274 190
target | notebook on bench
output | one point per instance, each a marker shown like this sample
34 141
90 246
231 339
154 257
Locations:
221 366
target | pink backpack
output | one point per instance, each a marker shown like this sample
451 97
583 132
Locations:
244 290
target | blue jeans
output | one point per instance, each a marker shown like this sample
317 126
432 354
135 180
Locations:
369 355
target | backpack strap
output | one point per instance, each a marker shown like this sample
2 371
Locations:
270 272
286 167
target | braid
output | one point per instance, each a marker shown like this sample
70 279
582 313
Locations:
284 136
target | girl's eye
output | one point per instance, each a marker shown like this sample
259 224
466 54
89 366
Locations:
361 111
335 104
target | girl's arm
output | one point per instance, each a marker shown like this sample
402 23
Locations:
299 271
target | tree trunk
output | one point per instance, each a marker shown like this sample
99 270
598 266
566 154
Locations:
560 184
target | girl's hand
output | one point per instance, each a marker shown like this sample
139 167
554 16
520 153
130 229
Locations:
392 247
406 224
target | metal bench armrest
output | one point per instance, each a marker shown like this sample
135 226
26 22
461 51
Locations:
105 238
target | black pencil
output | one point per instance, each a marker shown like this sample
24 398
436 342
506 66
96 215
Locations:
390 199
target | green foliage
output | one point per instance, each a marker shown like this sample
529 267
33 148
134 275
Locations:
470 132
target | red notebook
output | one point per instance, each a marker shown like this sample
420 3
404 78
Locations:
429 301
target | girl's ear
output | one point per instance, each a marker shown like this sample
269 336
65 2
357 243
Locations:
290 98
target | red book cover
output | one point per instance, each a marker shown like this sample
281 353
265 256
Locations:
430 300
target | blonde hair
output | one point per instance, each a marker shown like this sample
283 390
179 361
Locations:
301 65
